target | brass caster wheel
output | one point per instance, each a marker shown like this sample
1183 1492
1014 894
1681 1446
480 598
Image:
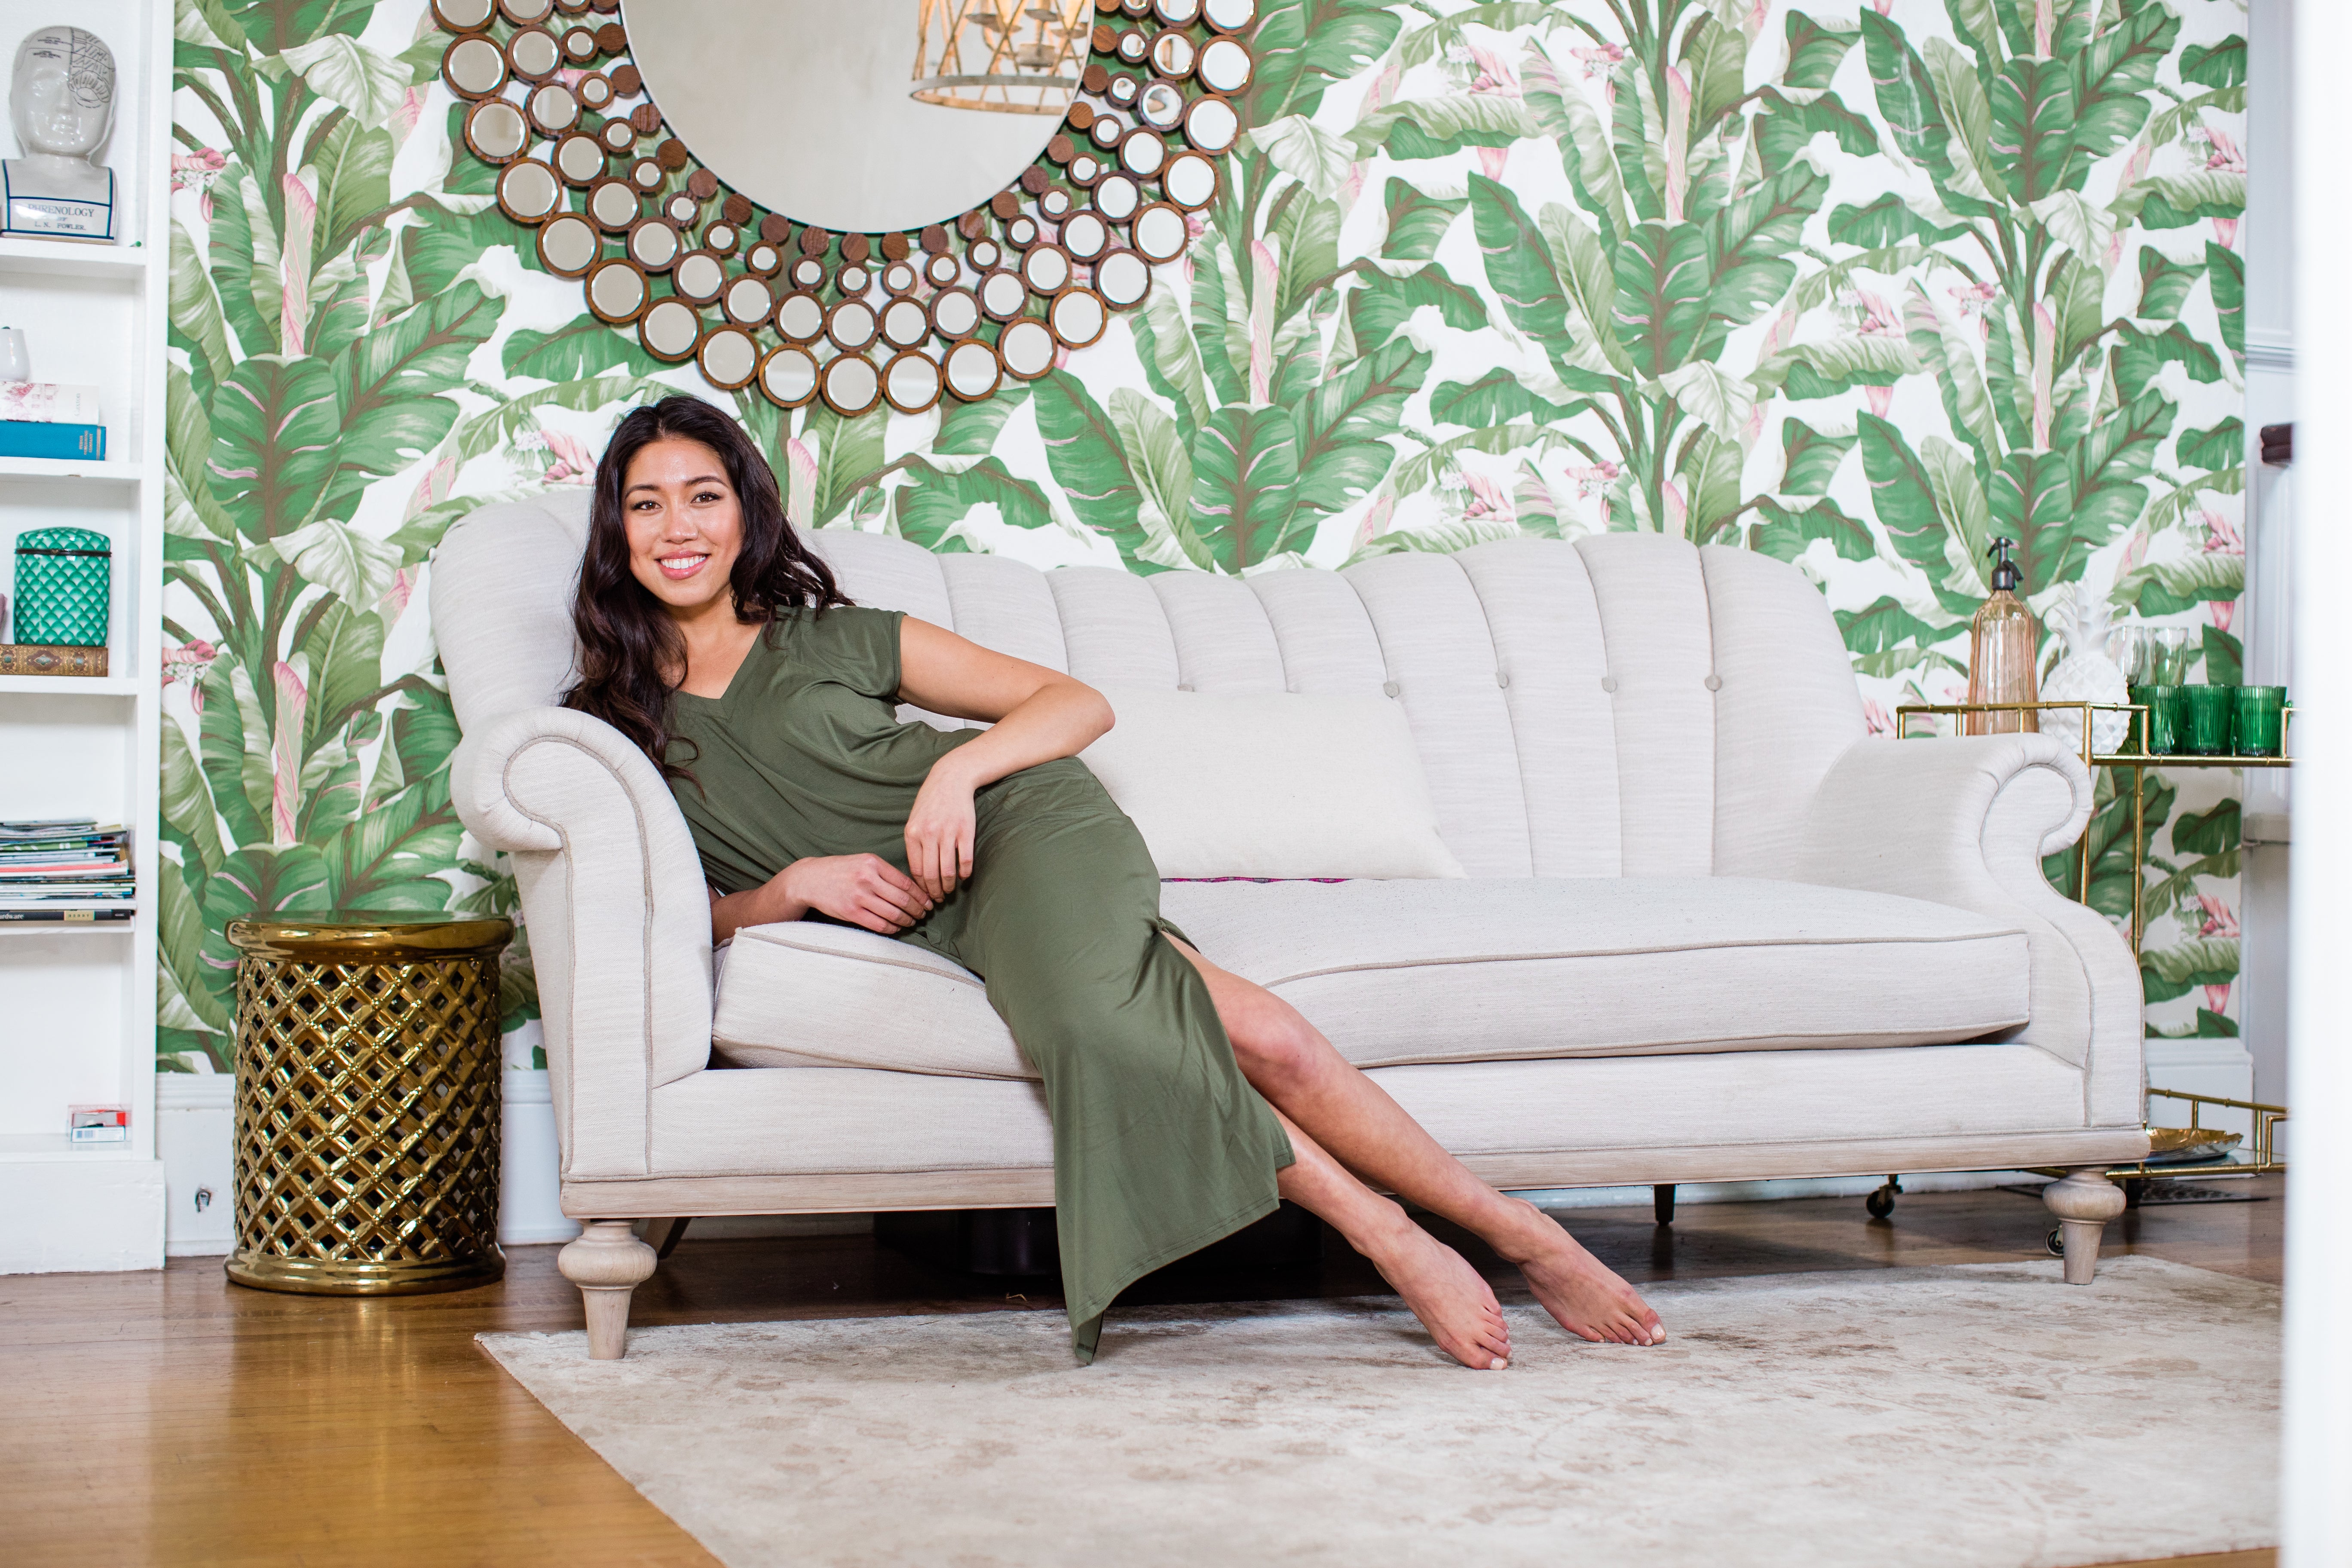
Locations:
1881 1204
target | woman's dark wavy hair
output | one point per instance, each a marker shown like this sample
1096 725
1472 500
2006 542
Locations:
626 638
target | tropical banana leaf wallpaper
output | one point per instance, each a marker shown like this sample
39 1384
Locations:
1858 292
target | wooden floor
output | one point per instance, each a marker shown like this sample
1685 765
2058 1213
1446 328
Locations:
174 1418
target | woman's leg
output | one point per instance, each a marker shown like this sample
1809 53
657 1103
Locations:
1316 1089
1444 1291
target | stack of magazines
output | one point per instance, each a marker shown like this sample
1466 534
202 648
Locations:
64 868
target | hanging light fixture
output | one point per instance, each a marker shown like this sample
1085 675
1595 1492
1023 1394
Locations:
1000 56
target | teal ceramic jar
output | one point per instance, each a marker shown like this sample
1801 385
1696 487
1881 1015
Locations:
64 582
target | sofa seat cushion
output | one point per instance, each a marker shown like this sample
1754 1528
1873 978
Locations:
1407 972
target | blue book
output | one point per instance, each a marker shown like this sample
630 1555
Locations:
28 438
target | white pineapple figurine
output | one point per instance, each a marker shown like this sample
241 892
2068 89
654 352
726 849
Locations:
2085 675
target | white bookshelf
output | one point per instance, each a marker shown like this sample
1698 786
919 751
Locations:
78 1002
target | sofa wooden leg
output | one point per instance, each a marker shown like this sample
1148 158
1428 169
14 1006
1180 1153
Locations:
2083 1200
1661 1202
607 1262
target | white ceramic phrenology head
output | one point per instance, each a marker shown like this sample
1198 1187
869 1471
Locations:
61 97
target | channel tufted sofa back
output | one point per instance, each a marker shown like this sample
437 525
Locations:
1622 705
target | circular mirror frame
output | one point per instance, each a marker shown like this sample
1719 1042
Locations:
663 180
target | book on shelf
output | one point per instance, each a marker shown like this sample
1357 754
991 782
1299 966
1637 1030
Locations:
71 868
49 403
60 914
40 438
42 659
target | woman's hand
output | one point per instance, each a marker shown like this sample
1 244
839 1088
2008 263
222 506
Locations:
864 889
939 830
861 889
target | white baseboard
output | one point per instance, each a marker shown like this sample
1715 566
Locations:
81 1213
196 1118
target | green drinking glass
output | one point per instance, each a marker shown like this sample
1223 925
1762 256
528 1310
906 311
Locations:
2261 721
2209 708
2165 717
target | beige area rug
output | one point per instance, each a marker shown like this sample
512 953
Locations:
1983 1416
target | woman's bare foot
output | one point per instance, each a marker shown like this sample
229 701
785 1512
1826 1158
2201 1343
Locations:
1445 1292
1577 1289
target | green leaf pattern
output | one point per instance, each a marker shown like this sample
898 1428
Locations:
1476 271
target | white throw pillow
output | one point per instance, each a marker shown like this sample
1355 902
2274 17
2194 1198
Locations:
1271 784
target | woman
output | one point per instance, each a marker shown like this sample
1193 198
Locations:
1183 1098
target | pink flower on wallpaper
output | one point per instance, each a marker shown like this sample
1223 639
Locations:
1880 398
1487 497
1598 60
196 172
2222 153
2221 535
395 599
2225 229
1495 74
1491 161
1871 314
1596 480
2217 998
573 465
403 123
188 663
2220 920
1376 521
2224 611
1875 718
1976 299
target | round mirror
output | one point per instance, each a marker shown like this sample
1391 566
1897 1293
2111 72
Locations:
720 238
1159 233
850 386
1116 196
1022 232
1176 13
461 15
1143 153
669 329
942 271
533 54
615 205
851 325
523 13
618 135
1078 317
1085 236
808 107
729 358
1003 295
1122 90
764 260
1085 169
528 191
580 46
646 174
898 277
1108 129
1229 15
1163 107
616 291
1172 56
1190 180
1055 202
654 245
852 281
1124 279
568 244
682 210
1133 46
747 303
578 160
700 277
495 131
807 272
801 317
1026 348
955 313
595 90
552 108
905 323
788 376
1211 125
1225 65
911 384
984 255
1045 270
474 67
971 372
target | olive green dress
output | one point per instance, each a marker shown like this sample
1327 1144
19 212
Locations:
1161 1146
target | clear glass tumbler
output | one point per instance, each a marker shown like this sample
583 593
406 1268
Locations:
2167 656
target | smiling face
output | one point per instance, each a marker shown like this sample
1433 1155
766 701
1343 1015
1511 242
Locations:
685 527
61 98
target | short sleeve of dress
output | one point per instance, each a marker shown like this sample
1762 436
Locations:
861 647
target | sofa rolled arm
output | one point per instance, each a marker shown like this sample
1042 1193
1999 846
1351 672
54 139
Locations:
1965 822
612 894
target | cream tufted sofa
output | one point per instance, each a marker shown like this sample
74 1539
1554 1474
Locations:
1711 931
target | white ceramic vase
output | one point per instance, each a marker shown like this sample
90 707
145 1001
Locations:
2085 675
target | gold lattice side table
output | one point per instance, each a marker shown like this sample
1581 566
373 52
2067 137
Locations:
367 1103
